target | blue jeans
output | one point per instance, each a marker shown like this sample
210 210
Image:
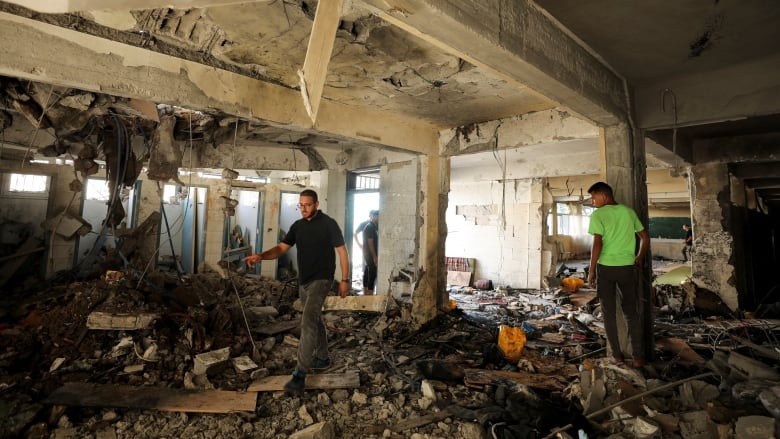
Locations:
314 339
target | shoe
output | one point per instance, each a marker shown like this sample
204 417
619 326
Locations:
617 360
297 383
639 362
318 364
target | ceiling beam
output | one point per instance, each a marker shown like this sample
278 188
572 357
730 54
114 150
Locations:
64 6
736 149
763 183
517 42
756 170
49 54
730 93
315 66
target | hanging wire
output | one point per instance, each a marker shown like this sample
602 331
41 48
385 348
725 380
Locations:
45 108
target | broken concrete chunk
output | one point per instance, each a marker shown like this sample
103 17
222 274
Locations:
243 364
321 430
133 368
695 394
643 428
770 398
122 321
211 362
697 425
263 311
754 427
427 390
754 369
289 340
56 364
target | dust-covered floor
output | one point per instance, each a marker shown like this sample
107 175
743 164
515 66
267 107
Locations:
714 374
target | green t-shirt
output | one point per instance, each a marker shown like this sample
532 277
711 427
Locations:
617 224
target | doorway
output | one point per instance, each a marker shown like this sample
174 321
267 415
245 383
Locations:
362 197
182 245
94 211
243 235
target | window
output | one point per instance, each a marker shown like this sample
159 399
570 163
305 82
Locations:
97 190
28 183
573 219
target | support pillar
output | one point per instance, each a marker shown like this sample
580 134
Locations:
431 293
626 171
712 224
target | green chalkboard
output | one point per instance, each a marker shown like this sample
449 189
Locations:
668 227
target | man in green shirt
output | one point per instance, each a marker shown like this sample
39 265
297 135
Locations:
615 267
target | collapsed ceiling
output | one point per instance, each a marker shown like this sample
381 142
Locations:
415 67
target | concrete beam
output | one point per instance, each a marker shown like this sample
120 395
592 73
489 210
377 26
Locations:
49 54
748 148
734 92
517 42
63 6
755 170
315 66
529 129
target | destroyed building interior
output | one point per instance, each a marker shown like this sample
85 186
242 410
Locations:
147 147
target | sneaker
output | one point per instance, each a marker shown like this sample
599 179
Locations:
297 383
318 364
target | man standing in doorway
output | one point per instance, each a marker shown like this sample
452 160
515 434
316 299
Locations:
362 226
688 243
316 235
370 250
616 268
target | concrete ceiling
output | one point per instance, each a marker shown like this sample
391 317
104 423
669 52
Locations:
401 70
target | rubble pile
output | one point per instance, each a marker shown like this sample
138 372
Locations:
203 357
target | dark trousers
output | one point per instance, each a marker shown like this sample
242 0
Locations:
621 281
686 252
314 340
369 276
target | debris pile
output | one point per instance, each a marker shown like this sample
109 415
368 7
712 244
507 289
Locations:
208 357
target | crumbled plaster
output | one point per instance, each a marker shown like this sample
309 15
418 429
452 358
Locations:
713 271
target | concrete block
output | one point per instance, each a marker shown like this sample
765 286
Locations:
754 427
243 364
211 362
754 369
320 430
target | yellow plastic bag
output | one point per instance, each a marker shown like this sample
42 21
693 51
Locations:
511 341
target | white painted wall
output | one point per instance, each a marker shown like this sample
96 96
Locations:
501 227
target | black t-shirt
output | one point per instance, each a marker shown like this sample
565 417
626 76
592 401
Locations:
371 231
315 241
689 237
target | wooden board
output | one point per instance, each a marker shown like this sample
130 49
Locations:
277 327
480 377
583 298
355 303
164 399
681 348
346 380
122 321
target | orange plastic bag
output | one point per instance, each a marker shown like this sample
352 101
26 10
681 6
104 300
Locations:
572 284
511 341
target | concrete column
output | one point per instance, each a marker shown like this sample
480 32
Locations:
626 172
431 294
712 224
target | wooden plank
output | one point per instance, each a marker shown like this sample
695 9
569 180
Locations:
325 381
681 348
315 66
355 303
480 377
420 421
583 298
164 399
119 321
277 327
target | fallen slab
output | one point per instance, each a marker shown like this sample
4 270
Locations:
324 381
163 399
120 321
277 327
351 303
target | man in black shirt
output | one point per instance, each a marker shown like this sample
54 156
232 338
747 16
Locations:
316 235
370 251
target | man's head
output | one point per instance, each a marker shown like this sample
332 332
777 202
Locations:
308 204
686 227
374 216
601 194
